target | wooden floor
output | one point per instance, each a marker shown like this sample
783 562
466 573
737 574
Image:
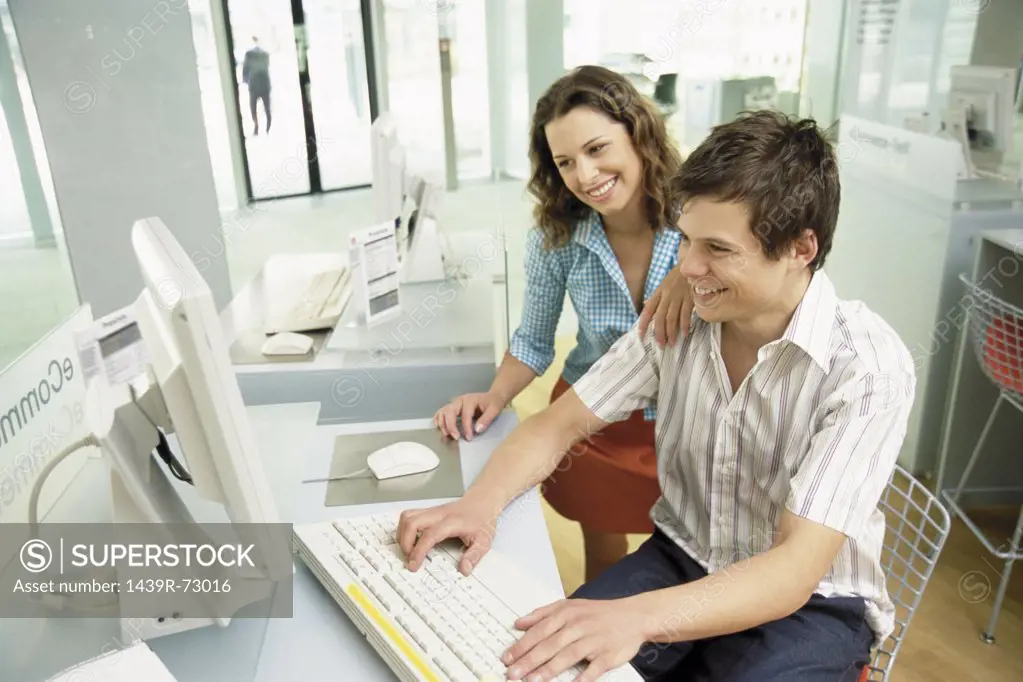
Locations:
943 641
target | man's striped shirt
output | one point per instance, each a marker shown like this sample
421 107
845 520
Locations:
815 428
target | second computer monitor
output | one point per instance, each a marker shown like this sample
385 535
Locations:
988 96
388 170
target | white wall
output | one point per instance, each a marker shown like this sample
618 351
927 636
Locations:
117 95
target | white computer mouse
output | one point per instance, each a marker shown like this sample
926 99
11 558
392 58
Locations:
402 459
287 343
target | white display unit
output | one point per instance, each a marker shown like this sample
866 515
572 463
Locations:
165 368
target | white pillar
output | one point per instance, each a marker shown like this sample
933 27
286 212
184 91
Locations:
545 46
822 61
525 49
24 156
116 90
498 79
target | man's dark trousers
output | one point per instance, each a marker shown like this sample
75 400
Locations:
827 640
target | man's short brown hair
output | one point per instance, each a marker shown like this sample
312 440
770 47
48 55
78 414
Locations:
784 170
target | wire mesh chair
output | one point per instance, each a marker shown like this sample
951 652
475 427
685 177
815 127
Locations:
916 526
995 330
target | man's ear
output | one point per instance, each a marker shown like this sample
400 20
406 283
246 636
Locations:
804 249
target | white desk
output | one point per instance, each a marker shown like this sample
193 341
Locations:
444 342
319 643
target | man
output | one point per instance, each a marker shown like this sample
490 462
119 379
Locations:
256 75
780 417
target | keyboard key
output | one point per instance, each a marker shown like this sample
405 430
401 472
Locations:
453 668
478 666
495 646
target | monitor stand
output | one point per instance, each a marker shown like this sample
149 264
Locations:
422 243
142 493
147 628
954 125
424 260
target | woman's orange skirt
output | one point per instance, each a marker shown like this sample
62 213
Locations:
608 482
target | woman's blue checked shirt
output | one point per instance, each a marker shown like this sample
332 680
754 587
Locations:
588 270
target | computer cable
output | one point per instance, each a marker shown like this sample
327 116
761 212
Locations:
163 449
164 452
37 487
361 473
58 600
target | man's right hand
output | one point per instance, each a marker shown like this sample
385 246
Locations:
420 530
466 406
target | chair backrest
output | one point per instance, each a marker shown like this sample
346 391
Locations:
996 335
917 525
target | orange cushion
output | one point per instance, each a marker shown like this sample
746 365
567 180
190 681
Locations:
1003 352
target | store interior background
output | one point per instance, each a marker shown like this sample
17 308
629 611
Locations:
503 54
37 289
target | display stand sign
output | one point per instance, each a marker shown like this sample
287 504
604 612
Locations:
42 412
893 156
373 258
113 347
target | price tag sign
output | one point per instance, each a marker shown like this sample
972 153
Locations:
373 258
113 345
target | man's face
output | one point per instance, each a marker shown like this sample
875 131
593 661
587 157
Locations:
730 277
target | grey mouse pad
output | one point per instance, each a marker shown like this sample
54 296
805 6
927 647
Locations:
350 453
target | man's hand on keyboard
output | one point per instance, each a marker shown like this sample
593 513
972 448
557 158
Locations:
420 530
607 633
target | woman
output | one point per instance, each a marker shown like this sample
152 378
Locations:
605 234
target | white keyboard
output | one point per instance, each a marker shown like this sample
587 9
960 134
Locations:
319 306
433 625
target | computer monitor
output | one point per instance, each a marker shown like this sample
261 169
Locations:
388 156
986 97
412 202
189 361
185 386
715 101
422 244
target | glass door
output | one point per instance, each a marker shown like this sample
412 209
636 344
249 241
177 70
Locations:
303 94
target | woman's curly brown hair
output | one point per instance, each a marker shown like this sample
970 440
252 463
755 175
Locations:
557 209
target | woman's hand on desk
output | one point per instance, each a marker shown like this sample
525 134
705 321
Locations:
489 405
670 309
420 530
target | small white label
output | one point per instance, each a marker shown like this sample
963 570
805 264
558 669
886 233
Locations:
114 346
373 257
